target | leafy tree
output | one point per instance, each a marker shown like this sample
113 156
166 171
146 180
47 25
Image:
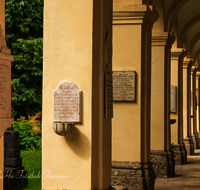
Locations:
24 32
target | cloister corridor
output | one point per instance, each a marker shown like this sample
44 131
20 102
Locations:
187 177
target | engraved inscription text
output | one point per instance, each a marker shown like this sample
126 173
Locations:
66 105
3 87
124 85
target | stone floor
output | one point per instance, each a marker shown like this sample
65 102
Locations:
187 176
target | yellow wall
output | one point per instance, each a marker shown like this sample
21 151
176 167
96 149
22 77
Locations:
157 99
132 52
185 104
73 51
126 118
174 81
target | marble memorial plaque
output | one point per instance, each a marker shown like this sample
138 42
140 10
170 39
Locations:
5 89
67 103
124 85
173 98
108 96
108 50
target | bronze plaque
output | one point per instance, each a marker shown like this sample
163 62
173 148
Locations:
124 85
5 89
108 96
108 50
67 103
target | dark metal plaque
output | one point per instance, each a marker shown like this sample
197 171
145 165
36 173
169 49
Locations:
108 50
108 96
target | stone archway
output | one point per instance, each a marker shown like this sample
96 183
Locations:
5 96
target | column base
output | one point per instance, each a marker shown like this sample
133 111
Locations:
197 141
163 163
132 176
194 141
199 137
189 145
180 154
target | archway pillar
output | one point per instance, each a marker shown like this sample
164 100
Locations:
132 28
180 155
77 54
161 154
2 26
187 136
197 103
193 108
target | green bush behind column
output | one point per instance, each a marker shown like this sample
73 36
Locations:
29 132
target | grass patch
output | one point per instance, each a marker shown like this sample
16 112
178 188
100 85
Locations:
32 161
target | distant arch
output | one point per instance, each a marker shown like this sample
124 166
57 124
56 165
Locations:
186 28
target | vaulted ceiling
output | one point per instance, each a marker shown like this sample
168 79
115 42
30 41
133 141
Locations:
183 18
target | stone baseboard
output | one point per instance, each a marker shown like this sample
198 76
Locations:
194 141
180 154
189 145
199 137
197 140
163 163
132 175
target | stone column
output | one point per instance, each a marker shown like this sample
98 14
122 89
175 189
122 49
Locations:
77 48
188 140
193 108
2 26
131 167
161 154
197 98
5 87
177 55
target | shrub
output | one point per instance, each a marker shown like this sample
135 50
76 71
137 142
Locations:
29 131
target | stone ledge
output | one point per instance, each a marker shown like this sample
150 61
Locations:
180 154
163 163
189 145
132 175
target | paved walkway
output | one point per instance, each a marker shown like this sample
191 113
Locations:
187 176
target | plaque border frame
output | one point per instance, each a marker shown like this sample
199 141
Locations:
80 105
133 101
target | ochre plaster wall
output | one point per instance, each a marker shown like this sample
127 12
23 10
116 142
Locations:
74 41
186 122
126 118
157 99
174 81
132 25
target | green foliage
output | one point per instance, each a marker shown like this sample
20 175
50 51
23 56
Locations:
29 133
24 32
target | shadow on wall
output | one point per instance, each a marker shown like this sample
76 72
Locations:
79 144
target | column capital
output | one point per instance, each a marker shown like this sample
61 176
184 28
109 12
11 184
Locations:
163 38
134 14
187 62
198 74
193 70
177 53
